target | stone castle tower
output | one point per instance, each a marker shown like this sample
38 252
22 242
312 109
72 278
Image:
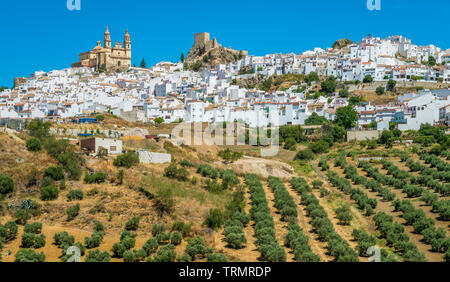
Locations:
204 45
107 57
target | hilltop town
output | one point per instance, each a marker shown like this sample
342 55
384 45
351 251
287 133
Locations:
252 89
90 162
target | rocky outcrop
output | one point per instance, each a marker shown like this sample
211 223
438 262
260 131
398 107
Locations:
341 43
208 53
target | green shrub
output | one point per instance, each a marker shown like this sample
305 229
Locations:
99 227
9 231
196 247
132 224
30 240
95 240
35 228
129 242
173 172
63 239
95 178
236 240
229 155
128 256
118 250
176 238
320 147
75 195
34 145
151 246
6 185
184 258
166 254
207 171
49 193
306 155
215 219
216 258
186 163
97 256
157 229
317 184
22 216
182 227
127 160
344 215
54 172
28 255
73 212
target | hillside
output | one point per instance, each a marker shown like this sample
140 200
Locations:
341 43
145 212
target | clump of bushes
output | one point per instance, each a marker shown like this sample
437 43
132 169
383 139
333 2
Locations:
73 212
207 171
8 232
97 256
34 144
127 160
234 230
196 248
95 178
6 185
175 172
344 215
186 163
54 172
29 255
216 258
132 224
127 242
229 155
49 193
30 240
214 219
75 195
34 228
63 239
305 155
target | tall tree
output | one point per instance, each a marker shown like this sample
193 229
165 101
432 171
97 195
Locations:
143 64
431 61
346 117
182 57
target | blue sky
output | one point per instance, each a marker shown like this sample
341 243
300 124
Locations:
45 35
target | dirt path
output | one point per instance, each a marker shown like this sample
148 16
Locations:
388 208
303 221
281 227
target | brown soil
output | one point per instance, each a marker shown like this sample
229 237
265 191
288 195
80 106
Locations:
281 227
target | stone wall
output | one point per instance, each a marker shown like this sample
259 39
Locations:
147 157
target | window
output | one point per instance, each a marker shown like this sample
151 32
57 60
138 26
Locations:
113 149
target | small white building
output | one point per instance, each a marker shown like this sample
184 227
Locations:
114 146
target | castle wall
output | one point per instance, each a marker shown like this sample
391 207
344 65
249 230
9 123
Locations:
201 38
